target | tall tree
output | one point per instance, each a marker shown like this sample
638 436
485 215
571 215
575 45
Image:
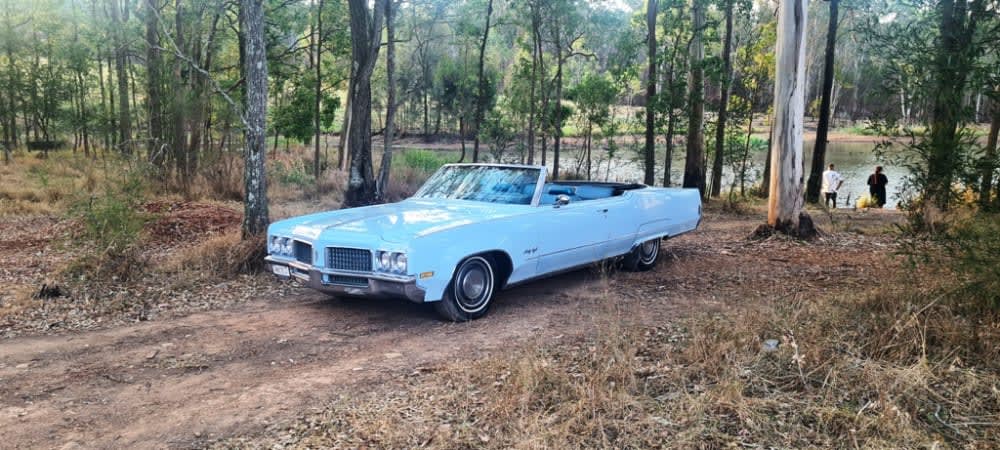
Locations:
990 154
953 62
724 90
822 128
255 214
694 164
319 86
650 153
784 206
481 92
390 101
119 20
366 38
154 80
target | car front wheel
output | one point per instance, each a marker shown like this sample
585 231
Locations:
643 257
471 290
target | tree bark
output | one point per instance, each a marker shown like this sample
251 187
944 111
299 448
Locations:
535 55
650 153
366 38
481 92
951 68
724 88
390 102
990 155
255 214
784 213
694 165
345 127
179 106
822 128
121 59
154 66
319 86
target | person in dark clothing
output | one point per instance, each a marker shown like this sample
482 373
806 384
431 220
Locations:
876 186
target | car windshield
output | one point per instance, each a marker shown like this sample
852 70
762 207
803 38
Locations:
494 184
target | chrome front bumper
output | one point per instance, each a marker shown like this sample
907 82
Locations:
378 284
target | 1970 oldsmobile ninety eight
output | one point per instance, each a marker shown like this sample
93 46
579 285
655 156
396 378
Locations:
473 229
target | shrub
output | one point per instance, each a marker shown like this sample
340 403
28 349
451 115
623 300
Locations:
971 248
425 160
111 223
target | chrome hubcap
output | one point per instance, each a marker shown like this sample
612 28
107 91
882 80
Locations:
473 283
649 250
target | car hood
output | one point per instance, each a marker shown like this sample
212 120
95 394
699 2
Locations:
396 222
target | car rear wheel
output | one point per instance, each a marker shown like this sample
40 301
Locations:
643 257
470 292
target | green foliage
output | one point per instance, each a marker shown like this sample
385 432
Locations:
295 118
425 160
972 248
112 221
594 96
328 111
499 133
296 173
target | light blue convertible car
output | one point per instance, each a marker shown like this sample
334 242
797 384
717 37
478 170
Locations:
473 229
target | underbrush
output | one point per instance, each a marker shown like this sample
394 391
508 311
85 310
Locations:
896 367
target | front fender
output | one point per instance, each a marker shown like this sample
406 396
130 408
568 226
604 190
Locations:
441 252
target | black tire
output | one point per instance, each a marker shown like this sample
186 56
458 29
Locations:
643 257
470 293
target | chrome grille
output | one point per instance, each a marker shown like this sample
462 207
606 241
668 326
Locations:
348 281
343 258
303 252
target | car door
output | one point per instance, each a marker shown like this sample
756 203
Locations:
568 235
620 224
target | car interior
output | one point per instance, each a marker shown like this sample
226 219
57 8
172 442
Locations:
584 190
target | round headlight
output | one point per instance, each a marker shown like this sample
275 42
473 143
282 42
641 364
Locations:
286 247
272 244
385 260
399 262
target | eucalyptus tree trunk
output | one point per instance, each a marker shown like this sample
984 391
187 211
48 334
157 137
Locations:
154 80
535 55
255 215
650 153
694 165
784 212
179 105
952 65
819 150
481 92
990 156
720 128
345 126
118 22
319 85
390 102
366 38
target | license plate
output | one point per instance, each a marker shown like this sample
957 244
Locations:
281 271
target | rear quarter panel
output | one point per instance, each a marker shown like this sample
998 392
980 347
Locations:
666 212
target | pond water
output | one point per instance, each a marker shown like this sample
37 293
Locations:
854 160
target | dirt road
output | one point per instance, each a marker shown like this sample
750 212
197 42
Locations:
179 382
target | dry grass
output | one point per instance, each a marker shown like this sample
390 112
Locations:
889 368
219 257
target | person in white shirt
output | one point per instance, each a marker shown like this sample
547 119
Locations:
831 184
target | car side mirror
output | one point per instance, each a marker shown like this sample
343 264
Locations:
561 200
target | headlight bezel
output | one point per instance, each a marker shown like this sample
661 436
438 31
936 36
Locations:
391 262
399 262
